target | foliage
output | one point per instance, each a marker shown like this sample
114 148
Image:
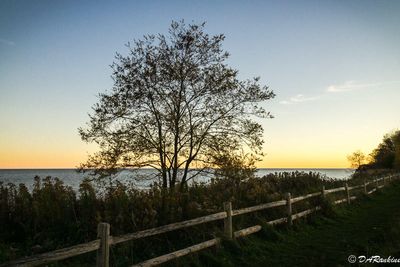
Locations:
396 142
53 216
387 154
369 227
356 159
176 106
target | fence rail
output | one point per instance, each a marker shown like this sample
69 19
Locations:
102 245
334 190
259 207
168 228
296 199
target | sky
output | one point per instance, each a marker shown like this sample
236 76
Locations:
334 66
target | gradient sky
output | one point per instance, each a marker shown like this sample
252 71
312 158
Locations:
334 65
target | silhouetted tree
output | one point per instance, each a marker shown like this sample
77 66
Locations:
396 141
175 106
356 159
386 155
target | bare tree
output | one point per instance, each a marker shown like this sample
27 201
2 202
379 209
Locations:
175 106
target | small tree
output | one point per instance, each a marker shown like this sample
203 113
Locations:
356 159
175 107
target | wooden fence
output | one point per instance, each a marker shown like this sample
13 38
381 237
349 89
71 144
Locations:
105 240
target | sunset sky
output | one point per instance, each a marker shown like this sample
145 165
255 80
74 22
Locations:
334 66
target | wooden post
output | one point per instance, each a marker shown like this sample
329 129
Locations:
323 194
289 209
347 193
365 186
228 220
376 183
383 180
103 253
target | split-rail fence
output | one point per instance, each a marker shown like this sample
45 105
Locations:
105 240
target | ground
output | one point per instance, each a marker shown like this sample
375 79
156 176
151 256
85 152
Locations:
370 226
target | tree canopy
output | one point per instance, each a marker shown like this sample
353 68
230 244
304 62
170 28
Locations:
176 106
387 154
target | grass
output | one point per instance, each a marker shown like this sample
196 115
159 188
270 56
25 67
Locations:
370 226
53 217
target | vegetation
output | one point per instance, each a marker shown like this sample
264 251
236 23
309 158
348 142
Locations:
176 106
368 227
54 216
385 156
356 159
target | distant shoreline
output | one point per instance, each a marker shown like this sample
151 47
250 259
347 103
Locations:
310 168
73 178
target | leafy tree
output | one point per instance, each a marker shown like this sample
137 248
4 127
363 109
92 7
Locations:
396 141
356 159
387 154
384 155
176 106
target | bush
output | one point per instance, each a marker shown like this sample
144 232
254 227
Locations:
54 216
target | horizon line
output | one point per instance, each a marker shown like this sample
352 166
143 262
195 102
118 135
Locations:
70 168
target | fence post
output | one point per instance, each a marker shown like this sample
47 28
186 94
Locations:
228 220
376 183
323 194
347 193
365 186
383 180
289 209
103 253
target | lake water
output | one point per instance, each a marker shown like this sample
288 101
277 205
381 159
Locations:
73 178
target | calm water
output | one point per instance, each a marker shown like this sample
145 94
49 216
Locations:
73 178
